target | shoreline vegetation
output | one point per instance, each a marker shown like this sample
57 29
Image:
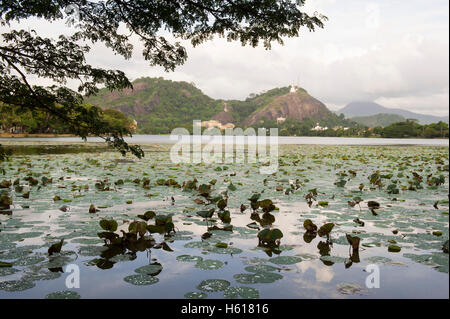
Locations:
49 135
26 135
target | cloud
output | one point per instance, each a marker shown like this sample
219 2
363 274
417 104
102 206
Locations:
392 52
429 104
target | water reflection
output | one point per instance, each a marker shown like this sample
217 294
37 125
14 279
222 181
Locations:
22 150
127 246
282 140
266 220
136 251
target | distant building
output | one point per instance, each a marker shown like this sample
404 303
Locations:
281 120
217 124
319 128
340 128
134 126
293 89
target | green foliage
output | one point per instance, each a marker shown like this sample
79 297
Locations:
41 122
164 104
138 228
55 248
5 264
270 237
109 225
411 128
147 215
309 225
206 213
5 201
161 105
266 205
240 110
225 216
326 229
24 53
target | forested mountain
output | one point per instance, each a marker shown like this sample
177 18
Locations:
381 119
355 109
160 105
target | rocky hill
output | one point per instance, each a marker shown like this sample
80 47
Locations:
297 105
160 105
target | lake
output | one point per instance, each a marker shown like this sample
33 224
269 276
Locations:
284 140
330 181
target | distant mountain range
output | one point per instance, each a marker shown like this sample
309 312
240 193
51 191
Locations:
381 119
365 109
160 105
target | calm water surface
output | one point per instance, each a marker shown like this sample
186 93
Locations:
33 224
288 140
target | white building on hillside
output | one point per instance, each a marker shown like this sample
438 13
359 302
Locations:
281 120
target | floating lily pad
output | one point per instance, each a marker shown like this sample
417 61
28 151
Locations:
285 248
41 274
255 261
29 260
285 260
30 235
440 261
122 258
333 259
15 253
6 271
6 245
226 251
182 235
243 292
245 233
378 260
151 270
196 295
213 285
209 264
260 268
141 280
411 212
257 278
91 251
196 244
66 294
16 285
189 258
394 248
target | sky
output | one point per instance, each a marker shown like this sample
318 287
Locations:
393 52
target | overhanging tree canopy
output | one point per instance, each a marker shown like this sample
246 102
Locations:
24 52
